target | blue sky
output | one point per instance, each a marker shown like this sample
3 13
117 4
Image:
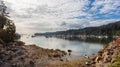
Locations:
56 15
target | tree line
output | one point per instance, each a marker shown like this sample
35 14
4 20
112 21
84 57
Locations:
104 30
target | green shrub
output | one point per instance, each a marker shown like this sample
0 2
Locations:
118 33
116 63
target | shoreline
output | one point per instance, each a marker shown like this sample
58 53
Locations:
18 54
108 56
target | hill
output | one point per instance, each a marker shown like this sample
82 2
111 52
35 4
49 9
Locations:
109 30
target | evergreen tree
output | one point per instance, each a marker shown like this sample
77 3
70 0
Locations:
7 27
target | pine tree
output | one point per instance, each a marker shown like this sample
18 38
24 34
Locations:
7 27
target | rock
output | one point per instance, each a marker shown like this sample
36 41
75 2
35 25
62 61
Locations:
20 43
56 55
64 53
61 59
31 64
107 56
16 54
117 40
57 50
69 50
1 45
88 63
14 65
98 58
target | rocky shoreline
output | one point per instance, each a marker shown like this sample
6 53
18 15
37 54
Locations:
17 54
109 55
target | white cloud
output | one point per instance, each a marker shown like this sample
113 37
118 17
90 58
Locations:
106 6
101 22
45 13
50 15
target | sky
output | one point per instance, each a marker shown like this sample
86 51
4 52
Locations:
31 16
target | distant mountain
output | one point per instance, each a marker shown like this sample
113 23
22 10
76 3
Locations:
109 29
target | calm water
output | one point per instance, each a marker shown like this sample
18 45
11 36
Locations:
77 47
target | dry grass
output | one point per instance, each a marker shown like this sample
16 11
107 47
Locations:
67 64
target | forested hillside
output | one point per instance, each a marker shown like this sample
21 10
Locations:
109 29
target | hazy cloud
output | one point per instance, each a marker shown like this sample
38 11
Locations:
54 15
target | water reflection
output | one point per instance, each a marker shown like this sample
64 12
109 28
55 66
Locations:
78 47
93 40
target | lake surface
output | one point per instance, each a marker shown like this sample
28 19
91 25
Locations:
78 47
